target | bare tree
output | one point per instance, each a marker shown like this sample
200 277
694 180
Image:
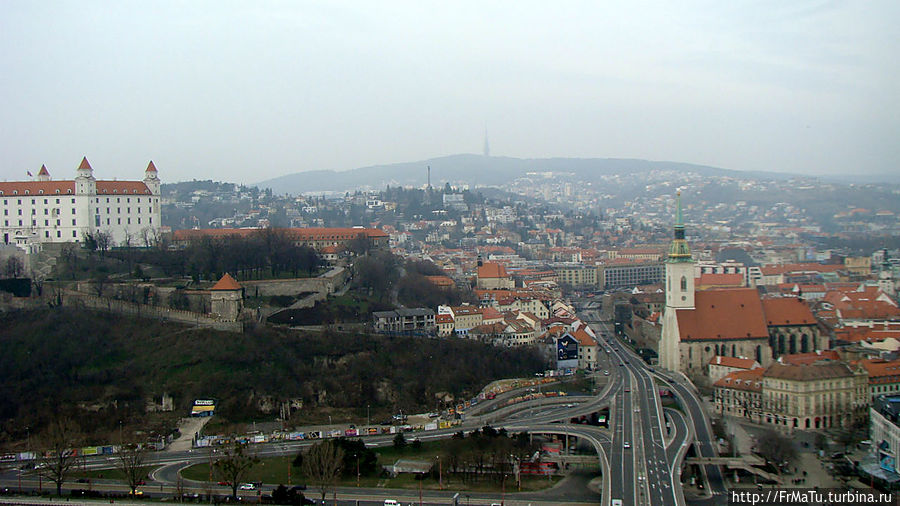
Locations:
149 237
14 267
58 444
776 449
104 241
101 279
70 257
37 280
130 460
233 465
323 464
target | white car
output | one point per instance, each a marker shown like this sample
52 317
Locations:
626 445
247 486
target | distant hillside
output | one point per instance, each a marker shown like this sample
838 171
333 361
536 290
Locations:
476 170
54 360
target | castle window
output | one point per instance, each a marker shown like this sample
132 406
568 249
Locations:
16 192
27 192
57 192
41 192
683 283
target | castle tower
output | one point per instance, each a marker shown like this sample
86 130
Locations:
679 292
44 174
226 298
151 178
85 184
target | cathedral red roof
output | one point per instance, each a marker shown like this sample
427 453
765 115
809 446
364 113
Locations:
735 313
787 311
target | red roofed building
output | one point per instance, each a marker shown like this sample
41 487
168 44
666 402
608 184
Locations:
445 324
720 366
226 298
727 322
316 238
587 349
493 276
884 376
739 393
53 211
717 280
863 305
810 358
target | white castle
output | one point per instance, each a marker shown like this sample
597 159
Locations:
52 211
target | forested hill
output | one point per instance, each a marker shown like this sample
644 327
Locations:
55 359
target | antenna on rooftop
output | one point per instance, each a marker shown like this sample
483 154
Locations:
429 176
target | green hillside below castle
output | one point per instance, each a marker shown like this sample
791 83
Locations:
101 369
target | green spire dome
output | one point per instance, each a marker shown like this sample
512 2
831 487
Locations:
679 251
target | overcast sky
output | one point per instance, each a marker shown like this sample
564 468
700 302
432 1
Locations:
245 91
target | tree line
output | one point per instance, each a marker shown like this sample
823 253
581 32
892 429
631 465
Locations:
268 252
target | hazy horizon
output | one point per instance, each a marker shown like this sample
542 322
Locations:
248 92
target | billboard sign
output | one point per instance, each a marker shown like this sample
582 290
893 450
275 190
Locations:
566 352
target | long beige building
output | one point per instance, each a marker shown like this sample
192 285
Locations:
822 395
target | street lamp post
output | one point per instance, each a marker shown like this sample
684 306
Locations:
367 416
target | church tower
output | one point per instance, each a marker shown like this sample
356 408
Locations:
679 292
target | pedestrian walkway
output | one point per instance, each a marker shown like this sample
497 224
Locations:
188 428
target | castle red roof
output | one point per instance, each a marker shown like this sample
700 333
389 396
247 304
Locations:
226 283
44 171
84 164
151 167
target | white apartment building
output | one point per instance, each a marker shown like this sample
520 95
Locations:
53 211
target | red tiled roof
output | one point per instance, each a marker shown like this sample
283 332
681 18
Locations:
734 313
810 358
583 338
720 279
750 380
492 270
150 167
122 187
774 269
787 311
440 281
43 171
226 283
737 363
32 188
443 318
490 313
84 164
294 233
882 371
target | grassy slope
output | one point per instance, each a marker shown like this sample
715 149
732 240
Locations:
54 359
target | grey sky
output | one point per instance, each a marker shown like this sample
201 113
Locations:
245 91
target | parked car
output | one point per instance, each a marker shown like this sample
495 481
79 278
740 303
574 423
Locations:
248 486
